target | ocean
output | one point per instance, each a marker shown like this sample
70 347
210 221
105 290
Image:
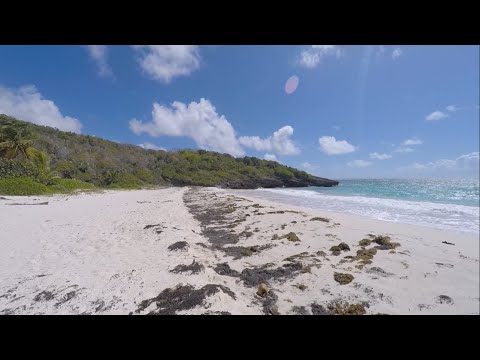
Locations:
449 204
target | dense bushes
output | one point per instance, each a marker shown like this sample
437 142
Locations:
109 164
11 168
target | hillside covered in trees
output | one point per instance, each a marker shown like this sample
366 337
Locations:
48 156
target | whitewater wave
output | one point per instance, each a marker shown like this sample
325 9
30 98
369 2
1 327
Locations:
441 216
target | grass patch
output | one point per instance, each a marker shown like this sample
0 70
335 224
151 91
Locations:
24 186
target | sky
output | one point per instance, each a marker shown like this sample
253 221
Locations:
336 111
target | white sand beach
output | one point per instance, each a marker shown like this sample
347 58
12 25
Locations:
108 253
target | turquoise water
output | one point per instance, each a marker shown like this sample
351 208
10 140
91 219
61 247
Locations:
459 191
439 203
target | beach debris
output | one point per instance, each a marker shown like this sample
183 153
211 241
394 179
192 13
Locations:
224 269
299 310
379 271
344 308
365 256
365 242
276 212
318 218
274 310
151 226
3 198
179 245
43 296
182 297
70 295
241 251
255 276
318 309
257 206
444 299
194 268
307 269
448 243
275 237
292 258
343 279
302 287
291 236
247 234
42 203
216 313
385 243
262 290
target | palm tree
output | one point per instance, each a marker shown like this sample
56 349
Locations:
16 140
42 162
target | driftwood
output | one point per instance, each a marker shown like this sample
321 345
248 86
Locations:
446 242
42 203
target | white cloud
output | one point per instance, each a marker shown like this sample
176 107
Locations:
412 141
165 62
451 108
306 165
270 157
380 156
314 55
26 103
359 163
404 150
396 53
463 163
198 121
435 116
98 53
332 146
150 146
280 142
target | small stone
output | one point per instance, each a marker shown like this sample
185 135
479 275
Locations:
262 290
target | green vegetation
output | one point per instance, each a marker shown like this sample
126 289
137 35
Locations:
49 157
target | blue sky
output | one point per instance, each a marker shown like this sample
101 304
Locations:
347 111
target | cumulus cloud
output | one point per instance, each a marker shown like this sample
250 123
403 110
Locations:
412 141
331 146
150 146
461 164
378 156
197 120
26 103
99 54
396 53
314 55
270 157
435 116
165 62
359 163
279 143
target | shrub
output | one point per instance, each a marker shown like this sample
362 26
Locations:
22 186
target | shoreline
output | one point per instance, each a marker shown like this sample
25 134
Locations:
118 252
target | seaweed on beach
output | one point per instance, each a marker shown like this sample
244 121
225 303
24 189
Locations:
300 310
237 252
343 279
194 268
254 277
179 245
224 269
182 297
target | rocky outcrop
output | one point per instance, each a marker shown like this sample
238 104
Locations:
276 183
